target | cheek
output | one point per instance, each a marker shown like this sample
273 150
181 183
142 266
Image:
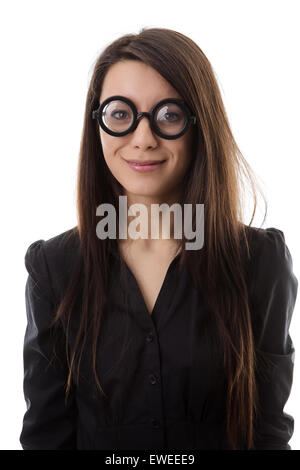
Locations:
188 148
183 154
107 143
109 149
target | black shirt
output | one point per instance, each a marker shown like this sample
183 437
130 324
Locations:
167 390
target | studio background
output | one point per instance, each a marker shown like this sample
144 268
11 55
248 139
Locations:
48 50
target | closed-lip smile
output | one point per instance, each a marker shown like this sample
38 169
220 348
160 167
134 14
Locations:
145 162
145 166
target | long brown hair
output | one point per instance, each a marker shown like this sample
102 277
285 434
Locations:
215 179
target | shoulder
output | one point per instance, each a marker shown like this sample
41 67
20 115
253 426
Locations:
51 261
270 255
272 290
58 249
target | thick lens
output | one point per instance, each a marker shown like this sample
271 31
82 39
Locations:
117 116
170 119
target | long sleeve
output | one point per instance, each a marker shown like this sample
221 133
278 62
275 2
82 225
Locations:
273 303
49 422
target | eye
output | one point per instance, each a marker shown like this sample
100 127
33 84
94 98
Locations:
171 116
119 114
169 113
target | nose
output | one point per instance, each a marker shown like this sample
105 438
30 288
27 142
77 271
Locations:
140 117
143 134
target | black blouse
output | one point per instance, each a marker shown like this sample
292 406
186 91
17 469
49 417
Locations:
162 373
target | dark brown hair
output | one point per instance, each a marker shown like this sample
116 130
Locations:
215 178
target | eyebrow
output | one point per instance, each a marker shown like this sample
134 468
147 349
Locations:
133 101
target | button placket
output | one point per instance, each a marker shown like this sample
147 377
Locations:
155 423
152 379
149 337
155 404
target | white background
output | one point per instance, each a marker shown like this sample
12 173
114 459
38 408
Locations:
48 49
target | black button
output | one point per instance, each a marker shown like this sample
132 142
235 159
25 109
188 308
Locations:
149 337
152 379
155 423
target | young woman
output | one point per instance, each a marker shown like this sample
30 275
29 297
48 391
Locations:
141 343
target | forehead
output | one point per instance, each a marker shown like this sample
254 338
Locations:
138 82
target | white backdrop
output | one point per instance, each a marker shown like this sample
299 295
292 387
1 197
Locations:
48 50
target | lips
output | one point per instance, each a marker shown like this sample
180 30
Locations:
145 166
145 162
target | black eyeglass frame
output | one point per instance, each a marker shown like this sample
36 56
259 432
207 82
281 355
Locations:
97 114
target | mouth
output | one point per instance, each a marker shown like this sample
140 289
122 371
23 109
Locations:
147 165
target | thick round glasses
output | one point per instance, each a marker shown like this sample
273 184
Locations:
169 118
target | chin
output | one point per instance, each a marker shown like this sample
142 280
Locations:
140 190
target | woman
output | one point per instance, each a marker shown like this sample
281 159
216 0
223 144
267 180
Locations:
142 343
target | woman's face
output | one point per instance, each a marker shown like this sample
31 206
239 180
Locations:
145 87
